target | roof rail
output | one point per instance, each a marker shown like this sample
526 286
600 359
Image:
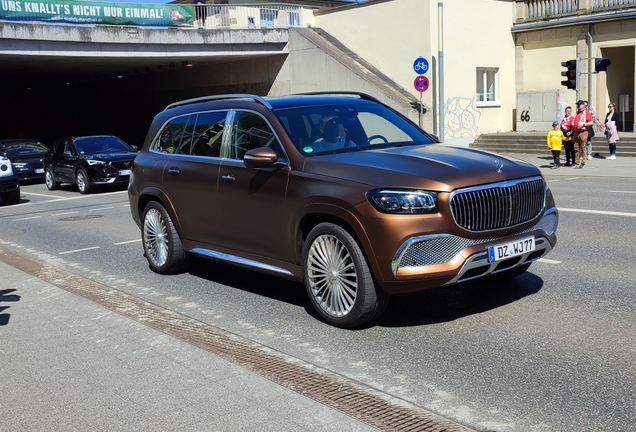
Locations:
347 93
219 97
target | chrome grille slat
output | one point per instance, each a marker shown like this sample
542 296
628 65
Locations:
498 205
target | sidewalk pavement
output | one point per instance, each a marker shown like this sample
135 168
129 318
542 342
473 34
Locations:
596 167
69 364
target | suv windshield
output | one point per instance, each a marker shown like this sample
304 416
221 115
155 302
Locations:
341 128
23 148
97 145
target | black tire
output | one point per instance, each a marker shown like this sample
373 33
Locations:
49 179
338 279
162 246
81 178
11 198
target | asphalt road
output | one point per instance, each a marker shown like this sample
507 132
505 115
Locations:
553 350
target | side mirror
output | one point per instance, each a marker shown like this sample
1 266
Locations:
134 148
261 157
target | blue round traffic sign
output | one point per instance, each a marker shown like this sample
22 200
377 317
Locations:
421 83
420 65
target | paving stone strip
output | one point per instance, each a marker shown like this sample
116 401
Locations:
370 406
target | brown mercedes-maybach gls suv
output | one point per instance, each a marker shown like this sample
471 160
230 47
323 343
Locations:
336 190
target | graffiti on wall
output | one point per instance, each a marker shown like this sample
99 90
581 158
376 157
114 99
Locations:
461 118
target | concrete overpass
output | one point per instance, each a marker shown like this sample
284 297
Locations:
65 79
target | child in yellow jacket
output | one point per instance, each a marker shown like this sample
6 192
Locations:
555 142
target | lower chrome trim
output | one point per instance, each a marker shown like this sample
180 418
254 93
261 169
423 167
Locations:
422 251
480 260
238 260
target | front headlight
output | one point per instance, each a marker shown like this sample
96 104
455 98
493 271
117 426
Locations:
5 168
95 162
403 201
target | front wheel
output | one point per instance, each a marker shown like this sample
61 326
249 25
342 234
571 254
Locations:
338 280
82 181
162 246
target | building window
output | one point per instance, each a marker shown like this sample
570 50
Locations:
294 19
268 18
487 86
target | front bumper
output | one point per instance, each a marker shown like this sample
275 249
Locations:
443 259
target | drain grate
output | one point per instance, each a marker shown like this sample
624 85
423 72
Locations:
347 396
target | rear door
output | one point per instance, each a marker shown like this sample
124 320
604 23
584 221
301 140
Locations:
190 148
63 160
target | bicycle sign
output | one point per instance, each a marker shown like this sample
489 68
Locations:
420 65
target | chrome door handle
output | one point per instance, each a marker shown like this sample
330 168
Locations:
228 178
173 171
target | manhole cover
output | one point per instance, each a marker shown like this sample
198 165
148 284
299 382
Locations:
79 218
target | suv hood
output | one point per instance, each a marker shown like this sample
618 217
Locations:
113 157
433 166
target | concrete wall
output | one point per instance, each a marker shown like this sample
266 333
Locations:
392 34
316 63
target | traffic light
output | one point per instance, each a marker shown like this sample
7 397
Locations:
601 64
570 74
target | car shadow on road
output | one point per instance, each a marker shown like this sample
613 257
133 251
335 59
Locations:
273 287
432 306
6 296
457 301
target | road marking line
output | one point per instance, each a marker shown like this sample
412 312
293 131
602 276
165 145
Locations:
126 242
102 208
548 261
44 195
78 250
622 191
603 212
60 214
70 198
26 218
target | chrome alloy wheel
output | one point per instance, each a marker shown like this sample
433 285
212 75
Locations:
155 237
48 178
82 181
332 275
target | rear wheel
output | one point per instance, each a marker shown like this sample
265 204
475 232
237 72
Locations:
162 245
10 198
338 279
49 178
82 181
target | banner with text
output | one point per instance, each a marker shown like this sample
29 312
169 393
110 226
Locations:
85 12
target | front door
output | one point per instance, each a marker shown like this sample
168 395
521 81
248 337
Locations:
251 201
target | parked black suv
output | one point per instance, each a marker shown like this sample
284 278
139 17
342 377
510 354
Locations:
89 161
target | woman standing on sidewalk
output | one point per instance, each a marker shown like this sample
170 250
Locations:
567 127
611 132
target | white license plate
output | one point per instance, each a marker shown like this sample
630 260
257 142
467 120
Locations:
512 249
38 170
125 172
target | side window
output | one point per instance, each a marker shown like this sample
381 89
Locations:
208 134
250 131
68 147
170 136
